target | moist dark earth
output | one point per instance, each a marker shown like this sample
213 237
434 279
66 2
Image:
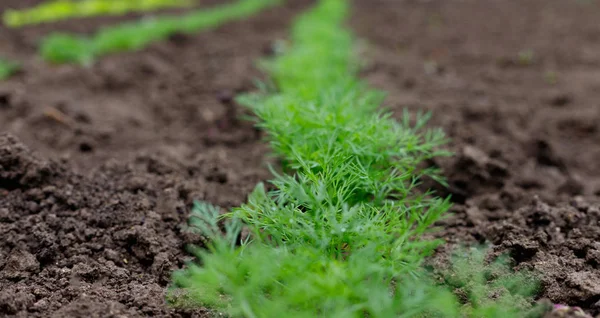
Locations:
516 86
99 166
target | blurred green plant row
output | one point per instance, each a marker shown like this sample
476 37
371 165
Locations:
63 9
68 48
72 48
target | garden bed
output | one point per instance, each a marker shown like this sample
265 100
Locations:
99 166
515 85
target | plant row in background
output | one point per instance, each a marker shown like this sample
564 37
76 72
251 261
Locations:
340 232
130 36
68 48
61 9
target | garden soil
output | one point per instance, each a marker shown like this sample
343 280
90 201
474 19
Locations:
99 166
516 86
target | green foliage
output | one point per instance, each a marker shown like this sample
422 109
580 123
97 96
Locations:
491 289
61 9
67 48
7 68
60 48
526 57
341 234
354 167
551 77
261 280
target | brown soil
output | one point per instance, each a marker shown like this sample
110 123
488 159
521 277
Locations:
516 85
99 166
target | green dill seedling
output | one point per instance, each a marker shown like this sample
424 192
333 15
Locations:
490 289
7 68
551 77
341 233
61 48
131 36
526 57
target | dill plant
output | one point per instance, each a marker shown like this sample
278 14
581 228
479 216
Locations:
340 234
490 288
350 168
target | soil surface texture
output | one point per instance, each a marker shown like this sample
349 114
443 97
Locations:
100 165
516 86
